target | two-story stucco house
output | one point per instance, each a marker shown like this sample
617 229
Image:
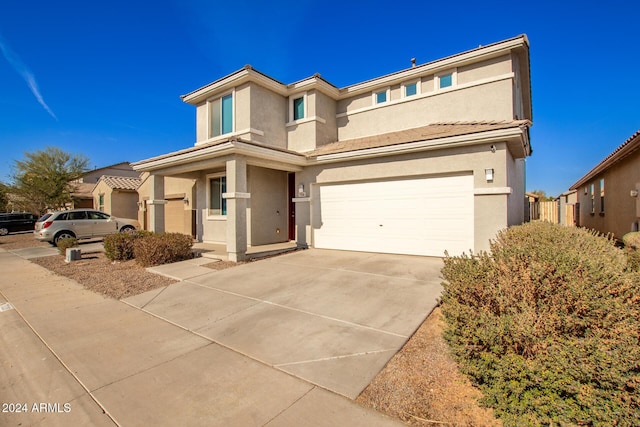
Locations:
427 159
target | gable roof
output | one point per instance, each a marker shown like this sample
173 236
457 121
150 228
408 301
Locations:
628 147
121 182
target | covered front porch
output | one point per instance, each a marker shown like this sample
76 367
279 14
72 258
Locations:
242 197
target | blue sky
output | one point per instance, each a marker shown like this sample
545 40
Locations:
104 78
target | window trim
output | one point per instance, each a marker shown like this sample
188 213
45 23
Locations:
454 79
210 102
101 202
387 94
403 91
292 98
593 196
209 177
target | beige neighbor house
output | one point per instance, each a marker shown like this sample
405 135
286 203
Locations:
619 175
82 195
117 195
427 159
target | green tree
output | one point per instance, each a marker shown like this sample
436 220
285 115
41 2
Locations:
44 178
4 197
542 194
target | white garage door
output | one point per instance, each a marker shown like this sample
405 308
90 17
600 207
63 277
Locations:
424 216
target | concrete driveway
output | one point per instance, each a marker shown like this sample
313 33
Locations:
332 318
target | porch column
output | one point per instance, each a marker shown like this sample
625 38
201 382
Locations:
156 203
236 197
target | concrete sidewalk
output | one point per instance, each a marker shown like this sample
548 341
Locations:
97 361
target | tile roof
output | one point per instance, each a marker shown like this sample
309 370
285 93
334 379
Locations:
424 133
626 148
121 182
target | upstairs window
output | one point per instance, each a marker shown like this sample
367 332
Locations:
445 79
298 108
217 186
221 115
381 96
411 89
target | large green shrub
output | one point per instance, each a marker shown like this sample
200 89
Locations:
119 246
156 249
548 325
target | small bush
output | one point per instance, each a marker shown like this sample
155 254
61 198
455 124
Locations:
119 246
157 249
64 244
548 325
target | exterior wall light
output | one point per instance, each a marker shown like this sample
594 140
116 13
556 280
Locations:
488 174
186 200
634 193
301 192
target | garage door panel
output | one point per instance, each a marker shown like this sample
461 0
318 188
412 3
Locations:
414 216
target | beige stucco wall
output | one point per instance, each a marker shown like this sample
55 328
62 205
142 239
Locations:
484 70
491 101
325 108
516 181
122 204
268 115
621 210
490 210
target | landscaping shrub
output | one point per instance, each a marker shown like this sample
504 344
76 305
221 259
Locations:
156 249
548 325
64 244
119 246
632 250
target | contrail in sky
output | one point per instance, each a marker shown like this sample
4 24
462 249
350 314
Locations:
26 74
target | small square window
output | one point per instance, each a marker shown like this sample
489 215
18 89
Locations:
446 80
381 97
410 89
298 108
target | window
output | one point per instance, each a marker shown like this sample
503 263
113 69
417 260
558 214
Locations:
445 80
410 89
602 196
380 97
217 186
593 204
221 115
101 202
298 108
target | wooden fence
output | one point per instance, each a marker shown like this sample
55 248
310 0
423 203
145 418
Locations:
550 211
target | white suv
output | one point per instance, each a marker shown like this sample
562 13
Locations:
81 224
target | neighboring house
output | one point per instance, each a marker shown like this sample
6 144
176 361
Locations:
82 196
117 196
619 175
566 207
179 196
427 159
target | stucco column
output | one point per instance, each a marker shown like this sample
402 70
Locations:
236 197
156 203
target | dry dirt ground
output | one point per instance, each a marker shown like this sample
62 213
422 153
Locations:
421 385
